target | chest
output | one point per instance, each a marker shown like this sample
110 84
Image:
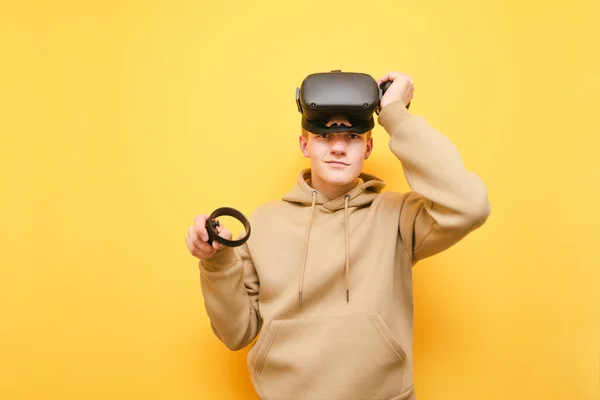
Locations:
322 247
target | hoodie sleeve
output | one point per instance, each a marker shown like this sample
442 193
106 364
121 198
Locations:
447 202
230 285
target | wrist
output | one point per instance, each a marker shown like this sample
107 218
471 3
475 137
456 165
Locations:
221 260
393 114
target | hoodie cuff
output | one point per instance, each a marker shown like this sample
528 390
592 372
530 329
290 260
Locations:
220 261
393 114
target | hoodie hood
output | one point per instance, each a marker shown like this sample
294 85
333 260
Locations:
365 191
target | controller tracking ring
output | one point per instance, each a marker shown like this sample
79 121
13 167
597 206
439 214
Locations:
211 226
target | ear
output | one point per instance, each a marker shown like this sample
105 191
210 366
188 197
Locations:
303 142
369 147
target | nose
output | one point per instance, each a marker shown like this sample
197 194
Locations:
338 145
339 120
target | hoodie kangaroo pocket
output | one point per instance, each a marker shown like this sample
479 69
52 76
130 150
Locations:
346 357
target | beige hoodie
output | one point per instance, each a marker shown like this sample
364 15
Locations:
329 281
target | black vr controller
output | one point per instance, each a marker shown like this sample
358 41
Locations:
352 94
212 224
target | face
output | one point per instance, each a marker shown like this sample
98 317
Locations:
336 159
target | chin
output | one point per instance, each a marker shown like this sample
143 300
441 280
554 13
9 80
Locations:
339 177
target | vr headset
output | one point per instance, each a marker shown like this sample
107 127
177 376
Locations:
352 94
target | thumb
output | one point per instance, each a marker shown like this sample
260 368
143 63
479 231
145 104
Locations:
225 234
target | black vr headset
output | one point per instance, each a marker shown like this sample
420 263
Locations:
352 94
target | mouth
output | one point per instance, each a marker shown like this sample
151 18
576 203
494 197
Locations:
337 163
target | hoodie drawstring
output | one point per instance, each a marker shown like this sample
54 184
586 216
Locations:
312 212
347 197
347 237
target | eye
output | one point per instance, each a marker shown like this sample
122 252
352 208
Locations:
323 135
354 136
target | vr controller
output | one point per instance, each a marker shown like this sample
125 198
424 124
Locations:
352 94
212 224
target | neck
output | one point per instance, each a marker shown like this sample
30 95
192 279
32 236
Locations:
330 191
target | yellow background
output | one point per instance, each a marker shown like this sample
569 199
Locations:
121 120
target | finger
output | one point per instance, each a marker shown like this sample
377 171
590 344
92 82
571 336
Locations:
194 241
411 92
200 226
381 80
195 251
224 233
390 76
216 245
197 243
384 78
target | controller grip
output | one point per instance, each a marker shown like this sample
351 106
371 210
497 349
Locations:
385 86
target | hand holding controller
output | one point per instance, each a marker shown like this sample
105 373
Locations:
207 236
390 79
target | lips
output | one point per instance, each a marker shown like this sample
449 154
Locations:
337 163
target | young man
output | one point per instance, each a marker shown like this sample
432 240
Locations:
326 277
